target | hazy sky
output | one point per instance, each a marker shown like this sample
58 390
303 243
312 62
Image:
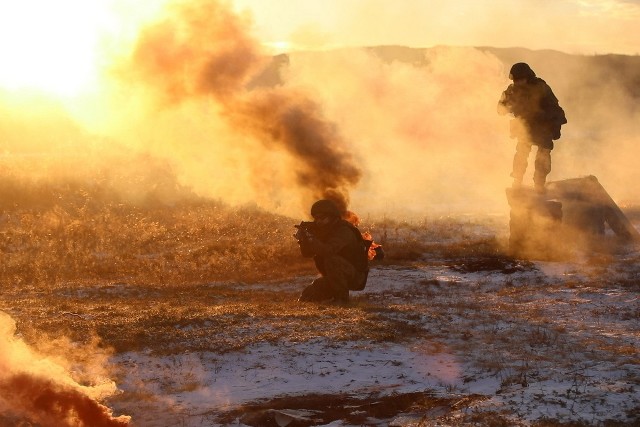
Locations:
574 26
133 72
59 45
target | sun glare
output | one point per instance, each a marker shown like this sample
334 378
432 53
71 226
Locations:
48 46
278 47
58 47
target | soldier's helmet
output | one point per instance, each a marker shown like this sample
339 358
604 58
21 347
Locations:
521 70
325 208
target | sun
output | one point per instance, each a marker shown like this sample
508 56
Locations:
278 47
59 47
46 45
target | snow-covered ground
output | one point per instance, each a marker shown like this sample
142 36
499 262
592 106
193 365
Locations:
527 340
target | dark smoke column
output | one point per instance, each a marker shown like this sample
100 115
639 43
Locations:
202 49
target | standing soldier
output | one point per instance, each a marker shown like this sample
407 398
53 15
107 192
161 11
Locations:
537 121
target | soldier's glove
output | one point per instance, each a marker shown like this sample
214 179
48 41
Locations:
303 234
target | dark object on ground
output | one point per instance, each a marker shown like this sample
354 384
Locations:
570 215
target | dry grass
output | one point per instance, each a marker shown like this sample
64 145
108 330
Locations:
82 262
68 233
77 260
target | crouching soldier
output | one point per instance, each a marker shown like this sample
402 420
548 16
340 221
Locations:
339 252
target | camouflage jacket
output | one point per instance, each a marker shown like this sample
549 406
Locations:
342 239
536 107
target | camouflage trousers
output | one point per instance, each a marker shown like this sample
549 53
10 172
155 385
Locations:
542 163
338 277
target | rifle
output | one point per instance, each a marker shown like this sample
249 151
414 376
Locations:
304 236
304 231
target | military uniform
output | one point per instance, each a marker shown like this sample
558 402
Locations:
340 255
537 120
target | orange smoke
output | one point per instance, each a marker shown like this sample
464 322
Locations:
34 388
48 403
203 50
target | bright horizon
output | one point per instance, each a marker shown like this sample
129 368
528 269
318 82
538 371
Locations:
118 73
62 49
572 26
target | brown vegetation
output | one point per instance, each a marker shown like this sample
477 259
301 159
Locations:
193 275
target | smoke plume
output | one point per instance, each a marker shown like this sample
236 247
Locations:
387 129
202 50
37 388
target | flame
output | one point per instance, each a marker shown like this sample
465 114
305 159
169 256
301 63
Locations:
372 249
354 219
